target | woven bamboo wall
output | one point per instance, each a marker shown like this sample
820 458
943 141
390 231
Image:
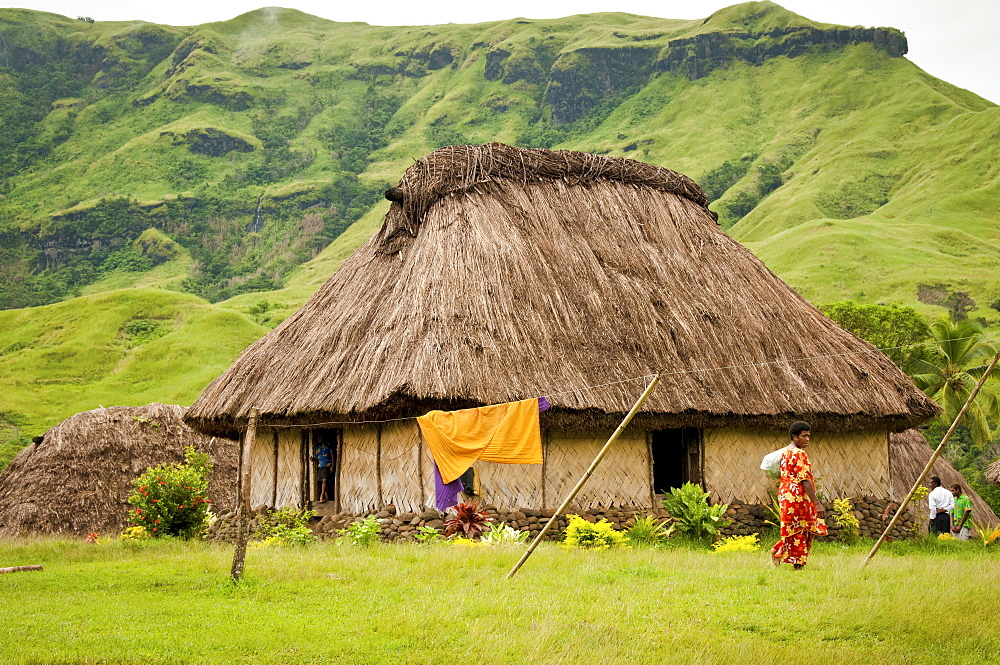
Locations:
850 464
400 466
622 479
289 489
359 483
262 468
510 485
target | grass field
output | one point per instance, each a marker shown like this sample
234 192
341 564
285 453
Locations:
172 602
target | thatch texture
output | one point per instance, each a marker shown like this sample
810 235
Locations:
993 473
845 464
77 480
909 453
498 278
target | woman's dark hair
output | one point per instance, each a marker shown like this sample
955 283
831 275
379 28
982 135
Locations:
955 487
797 428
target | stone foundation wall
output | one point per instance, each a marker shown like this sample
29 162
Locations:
746 519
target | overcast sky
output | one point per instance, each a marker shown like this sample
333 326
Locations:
954 40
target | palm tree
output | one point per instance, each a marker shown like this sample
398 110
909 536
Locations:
959 355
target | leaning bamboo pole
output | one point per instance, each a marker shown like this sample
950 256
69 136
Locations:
930 462
586 476
243 504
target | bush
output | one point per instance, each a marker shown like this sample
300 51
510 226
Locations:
288 526
468 519
362 532
598 536
172 499
648 532
426 535
696 518
499 533
843 517
737 544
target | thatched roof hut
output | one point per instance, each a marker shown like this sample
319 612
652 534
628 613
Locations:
503 273
908 455
77 479
993 473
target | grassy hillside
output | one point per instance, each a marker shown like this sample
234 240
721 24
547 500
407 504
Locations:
207 179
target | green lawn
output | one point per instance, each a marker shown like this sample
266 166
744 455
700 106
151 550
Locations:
172 603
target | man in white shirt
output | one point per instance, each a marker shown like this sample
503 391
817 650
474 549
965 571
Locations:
940 503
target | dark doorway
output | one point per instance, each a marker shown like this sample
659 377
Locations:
324 457
676 455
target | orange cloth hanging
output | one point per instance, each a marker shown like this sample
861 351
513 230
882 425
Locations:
506 433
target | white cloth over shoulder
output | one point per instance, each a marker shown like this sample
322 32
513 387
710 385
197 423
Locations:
772 461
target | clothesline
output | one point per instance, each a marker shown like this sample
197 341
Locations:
650 376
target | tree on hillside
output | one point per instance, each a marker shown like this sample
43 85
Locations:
959 357
899 331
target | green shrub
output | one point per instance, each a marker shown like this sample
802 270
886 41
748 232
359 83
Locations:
362 532
696 518
287 526
172 499
648 532
597 536
427 535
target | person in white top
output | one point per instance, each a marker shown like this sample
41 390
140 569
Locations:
940 503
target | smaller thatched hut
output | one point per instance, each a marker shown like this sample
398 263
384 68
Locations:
77 479
993 473
908 455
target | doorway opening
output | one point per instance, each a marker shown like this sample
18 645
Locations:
676 458
324 457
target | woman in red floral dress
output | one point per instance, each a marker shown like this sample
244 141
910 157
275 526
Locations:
802 515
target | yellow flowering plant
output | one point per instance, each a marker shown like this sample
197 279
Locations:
594 536
737 544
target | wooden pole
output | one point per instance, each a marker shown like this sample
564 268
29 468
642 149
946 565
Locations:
930 462
19 569
243 507
586 476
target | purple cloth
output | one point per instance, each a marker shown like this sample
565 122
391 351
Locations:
543 404
445 494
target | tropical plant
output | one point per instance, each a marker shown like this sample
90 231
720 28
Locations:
287 526
469 520
361 532
598 535
648 531
500 533
846 521
426 535
959 357
172 499
135 533
695 517
988 533
737 544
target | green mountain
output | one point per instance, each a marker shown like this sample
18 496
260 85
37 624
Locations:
147 171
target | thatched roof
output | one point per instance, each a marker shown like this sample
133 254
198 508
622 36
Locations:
78 478
504 274
909 453
993 473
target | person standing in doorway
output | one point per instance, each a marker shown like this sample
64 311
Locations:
961 514
940 503
324 463
802 515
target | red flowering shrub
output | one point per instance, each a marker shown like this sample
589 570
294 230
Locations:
172 499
